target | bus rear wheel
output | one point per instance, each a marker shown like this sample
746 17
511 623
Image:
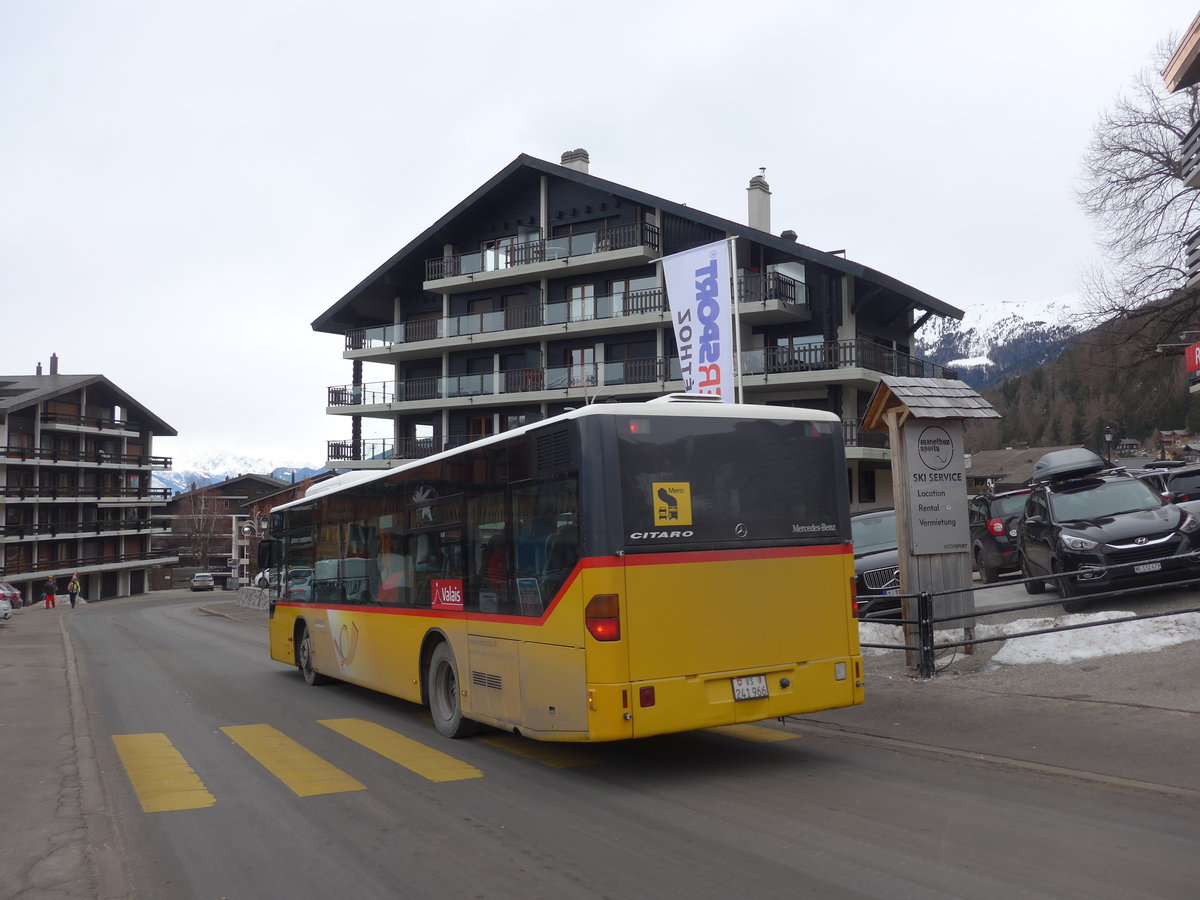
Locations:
304 660
444 699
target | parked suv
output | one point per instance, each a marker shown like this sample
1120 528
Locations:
1082 524
993 520
876 564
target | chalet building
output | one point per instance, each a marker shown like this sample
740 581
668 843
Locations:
76 459
212 527
543 290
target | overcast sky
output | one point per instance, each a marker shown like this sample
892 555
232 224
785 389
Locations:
185 187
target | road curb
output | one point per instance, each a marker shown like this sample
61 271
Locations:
104 849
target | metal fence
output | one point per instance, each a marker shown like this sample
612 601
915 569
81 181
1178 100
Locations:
926 622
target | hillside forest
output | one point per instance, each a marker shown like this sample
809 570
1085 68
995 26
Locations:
1111 375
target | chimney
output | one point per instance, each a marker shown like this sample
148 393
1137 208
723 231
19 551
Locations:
788 235
576 159
758 196
53 363
39 369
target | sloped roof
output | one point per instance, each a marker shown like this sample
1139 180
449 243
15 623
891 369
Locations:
428 244
1010 466
19 392
925 398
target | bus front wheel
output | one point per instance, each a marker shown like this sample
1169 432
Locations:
304 660
444 699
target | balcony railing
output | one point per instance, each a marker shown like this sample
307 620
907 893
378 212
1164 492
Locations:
387 448
54 418
418 448
532 316
100 457
1190 151
857 353
754 289
54 529
856 437
764 287
824 355
56 492
507 253
83 562
1192 258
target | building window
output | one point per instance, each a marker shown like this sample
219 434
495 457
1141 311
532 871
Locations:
866 485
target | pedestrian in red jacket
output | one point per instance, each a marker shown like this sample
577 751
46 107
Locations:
49 589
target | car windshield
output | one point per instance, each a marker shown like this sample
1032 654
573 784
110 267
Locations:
875 531
1011 505
1099 500
1184 482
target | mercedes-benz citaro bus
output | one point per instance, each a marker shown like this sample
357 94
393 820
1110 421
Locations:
619 571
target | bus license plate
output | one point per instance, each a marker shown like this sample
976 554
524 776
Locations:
1147 567
750 687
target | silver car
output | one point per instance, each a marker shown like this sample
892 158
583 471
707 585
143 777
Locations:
202 581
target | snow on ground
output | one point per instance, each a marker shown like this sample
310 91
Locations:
1062 646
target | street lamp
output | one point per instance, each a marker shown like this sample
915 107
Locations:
1108 440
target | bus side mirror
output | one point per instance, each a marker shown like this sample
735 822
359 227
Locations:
270 554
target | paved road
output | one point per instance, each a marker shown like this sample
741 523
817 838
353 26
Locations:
944 788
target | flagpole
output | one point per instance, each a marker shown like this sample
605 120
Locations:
737 317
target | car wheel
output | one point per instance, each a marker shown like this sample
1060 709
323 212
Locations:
1031 587
1068 592
444 698
987 574
305 662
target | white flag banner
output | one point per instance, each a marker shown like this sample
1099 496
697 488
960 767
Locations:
700 295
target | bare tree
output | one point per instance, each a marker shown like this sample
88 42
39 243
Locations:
1133 188
200 528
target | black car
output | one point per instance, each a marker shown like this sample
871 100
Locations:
993 520
1081 520
876 563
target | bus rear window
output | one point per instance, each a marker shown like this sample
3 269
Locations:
714 480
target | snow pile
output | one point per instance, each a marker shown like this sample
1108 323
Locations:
1062 647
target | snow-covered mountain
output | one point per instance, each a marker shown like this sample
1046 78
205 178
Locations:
996 342
186 472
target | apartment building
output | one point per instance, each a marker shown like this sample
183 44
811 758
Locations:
543 290
1183 71
76 459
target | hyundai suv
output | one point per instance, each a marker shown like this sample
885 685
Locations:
1101 531
993 520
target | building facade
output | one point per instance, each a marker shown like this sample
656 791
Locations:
76 458
543 290
213 528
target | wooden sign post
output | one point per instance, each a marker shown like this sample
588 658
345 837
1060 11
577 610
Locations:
923 418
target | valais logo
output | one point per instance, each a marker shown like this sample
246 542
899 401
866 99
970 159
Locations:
447 593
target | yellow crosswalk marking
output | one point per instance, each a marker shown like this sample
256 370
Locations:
560 756
300 769
161 777
755 733
431 764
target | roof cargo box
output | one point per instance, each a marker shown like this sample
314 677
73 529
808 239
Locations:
1071 463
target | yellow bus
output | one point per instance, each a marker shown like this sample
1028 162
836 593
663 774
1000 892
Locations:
619 571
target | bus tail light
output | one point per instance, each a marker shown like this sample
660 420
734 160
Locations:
646 696
854 596
603 617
